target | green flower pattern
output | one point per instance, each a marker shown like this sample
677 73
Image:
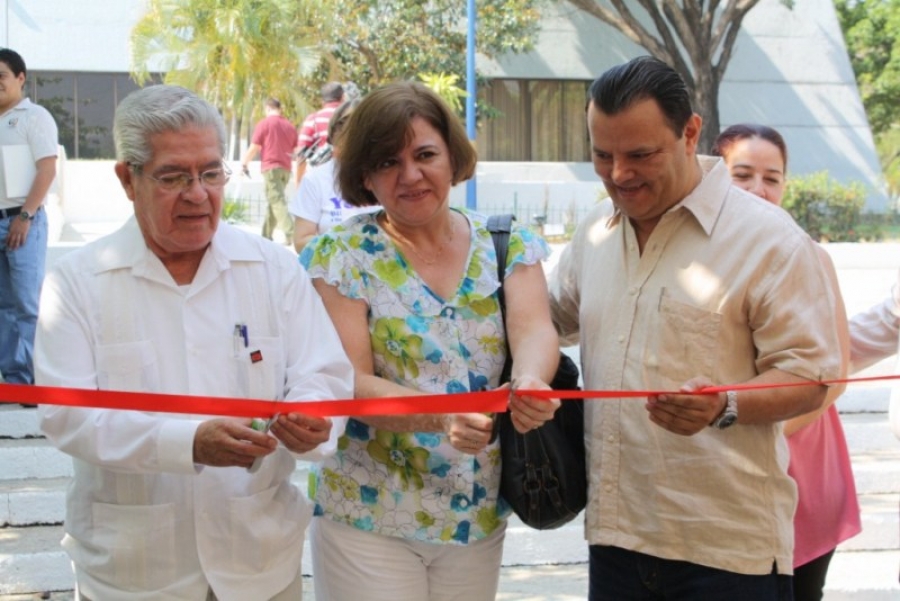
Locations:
415 485
401 457
393 340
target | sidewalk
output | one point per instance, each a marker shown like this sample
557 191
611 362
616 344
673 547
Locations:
534 583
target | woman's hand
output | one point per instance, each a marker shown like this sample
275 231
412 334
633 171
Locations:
528 412
469 433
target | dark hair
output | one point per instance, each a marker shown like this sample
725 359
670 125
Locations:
332 92
14 60
273 103
381 126
745 131
339 119
642 78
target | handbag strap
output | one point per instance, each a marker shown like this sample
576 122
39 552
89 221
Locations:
500 227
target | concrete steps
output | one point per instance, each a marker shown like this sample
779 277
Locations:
33 480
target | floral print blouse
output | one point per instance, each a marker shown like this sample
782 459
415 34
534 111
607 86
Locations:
415 485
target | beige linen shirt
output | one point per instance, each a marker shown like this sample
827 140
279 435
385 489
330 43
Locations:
728 287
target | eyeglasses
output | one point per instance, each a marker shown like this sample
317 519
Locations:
171 182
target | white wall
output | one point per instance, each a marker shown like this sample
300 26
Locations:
91 193
71 35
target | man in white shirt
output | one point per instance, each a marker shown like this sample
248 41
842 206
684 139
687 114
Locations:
27 133
163 505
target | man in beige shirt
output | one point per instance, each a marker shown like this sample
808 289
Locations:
678 282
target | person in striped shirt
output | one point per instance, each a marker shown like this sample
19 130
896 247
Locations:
313 135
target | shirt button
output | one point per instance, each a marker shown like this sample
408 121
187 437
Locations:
621 338
611 438
632 291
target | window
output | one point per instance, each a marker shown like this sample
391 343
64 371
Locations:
534 120
83 105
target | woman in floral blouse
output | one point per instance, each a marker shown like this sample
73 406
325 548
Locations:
409 507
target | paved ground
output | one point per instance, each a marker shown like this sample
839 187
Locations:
533 583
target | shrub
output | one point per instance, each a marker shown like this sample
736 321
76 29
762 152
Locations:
825 208
234 210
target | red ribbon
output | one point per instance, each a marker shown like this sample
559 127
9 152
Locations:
477 402
493 401
619 394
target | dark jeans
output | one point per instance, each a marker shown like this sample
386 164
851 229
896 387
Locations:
809 579
620 575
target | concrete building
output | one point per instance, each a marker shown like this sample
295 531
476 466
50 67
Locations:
790 70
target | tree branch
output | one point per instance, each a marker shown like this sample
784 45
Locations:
627 24
726 32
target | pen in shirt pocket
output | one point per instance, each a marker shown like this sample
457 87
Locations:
236 340
240 338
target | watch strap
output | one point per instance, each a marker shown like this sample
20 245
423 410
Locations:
729 414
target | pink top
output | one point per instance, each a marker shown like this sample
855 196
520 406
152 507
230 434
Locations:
827 508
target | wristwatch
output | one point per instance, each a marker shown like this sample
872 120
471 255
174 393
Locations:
26 216
729 414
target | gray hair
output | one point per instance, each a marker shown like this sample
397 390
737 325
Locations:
157 109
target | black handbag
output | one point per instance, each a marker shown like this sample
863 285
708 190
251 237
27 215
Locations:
544 476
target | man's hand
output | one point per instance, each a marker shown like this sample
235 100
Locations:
301 433
686 414
245 171
18 233
224 442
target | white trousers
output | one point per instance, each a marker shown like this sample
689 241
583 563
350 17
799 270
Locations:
350 564
294 592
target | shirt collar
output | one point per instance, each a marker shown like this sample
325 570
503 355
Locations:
22 105
125 248
706 200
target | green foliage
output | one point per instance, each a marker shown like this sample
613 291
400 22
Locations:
377 41
446 86
870 31
825 208
874 227
234 210
235 53
887 144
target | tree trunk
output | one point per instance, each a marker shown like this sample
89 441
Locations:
232 133
686 35
706 104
